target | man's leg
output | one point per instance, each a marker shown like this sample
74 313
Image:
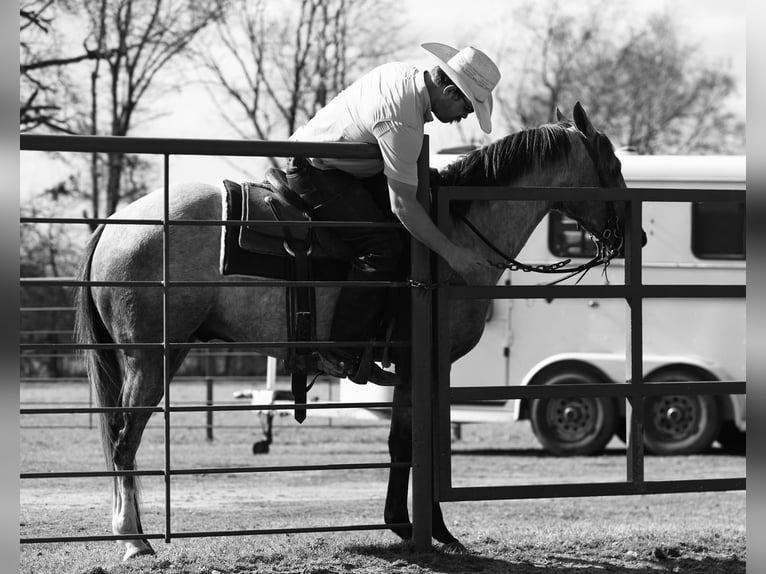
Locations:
337 196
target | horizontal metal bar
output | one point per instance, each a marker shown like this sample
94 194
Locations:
89 474
91 220
95 538
693 291
86 410
215 470
71 282
83 346
290 344
607 389
529 491
595 291
200 147
216 222
286 283
215 345
207 408
301 530
500 193
284 406
454 292
214 533
290 468
46 309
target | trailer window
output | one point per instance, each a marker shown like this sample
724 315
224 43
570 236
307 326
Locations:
567 239
718 230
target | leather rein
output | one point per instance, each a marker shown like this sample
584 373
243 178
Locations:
603 255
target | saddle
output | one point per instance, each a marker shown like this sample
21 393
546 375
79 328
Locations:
271 250
268 243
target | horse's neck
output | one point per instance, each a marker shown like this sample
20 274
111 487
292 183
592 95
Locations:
506 224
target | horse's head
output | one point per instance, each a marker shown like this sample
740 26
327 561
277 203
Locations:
605 221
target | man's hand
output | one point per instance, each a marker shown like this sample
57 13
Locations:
465 261
414 218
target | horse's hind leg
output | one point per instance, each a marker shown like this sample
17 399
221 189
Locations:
142 386
400 449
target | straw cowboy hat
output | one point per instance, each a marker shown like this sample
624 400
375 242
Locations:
473 73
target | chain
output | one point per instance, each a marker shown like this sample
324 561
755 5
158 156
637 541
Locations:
428 286
539 268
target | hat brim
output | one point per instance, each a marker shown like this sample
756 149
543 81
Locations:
483 110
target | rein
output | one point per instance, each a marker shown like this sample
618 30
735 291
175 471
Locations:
603 257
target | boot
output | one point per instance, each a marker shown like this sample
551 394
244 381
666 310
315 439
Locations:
344 365
368 370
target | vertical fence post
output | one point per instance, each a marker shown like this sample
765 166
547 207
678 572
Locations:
634 408
165 336
209 414
422 374
209 394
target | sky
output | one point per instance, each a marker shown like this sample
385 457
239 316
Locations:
719 27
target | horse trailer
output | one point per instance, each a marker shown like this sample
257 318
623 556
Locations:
560 341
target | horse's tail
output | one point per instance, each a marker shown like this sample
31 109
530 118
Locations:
102 364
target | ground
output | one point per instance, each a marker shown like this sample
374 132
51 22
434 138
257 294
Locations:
698 532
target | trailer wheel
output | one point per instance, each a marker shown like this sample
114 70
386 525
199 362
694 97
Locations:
573 425
680 424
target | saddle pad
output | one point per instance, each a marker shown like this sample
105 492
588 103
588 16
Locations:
264 254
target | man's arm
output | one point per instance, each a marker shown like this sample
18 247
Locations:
406 207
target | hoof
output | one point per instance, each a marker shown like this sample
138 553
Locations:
260 447
403 532
140 549
454 548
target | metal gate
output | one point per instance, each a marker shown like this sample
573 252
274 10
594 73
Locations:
166 148
634 292
432 394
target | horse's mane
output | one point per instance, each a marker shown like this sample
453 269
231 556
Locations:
511 156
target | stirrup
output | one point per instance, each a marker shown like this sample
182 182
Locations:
333 366
369 371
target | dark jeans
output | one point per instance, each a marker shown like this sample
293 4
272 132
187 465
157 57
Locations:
334 195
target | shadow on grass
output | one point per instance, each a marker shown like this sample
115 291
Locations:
439 561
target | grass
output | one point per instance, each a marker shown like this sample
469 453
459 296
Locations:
702 533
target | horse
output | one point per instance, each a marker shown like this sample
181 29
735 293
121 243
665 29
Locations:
562 154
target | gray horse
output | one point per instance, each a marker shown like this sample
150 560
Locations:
566 154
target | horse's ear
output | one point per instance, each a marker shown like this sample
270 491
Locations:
583 122
559 116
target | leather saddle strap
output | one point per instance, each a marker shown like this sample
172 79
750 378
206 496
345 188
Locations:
301 313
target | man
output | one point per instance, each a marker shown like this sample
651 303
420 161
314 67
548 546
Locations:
388 107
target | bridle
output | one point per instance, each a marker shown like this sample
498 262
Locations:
604 253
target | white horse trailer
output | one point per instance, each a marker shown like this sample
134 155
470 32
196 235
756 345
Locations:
538 342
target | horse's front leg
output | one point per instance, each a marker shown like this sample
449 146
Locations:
400 449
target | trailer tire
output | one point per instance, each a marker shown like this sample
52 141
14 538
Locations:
569 426
680 424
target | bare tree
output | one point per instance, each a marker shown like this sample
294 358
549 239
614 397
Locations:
647 88
141 37
278 67
42 67
126 44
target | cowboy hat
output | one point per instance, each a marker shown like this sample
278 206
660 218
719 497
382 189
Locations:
473 73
